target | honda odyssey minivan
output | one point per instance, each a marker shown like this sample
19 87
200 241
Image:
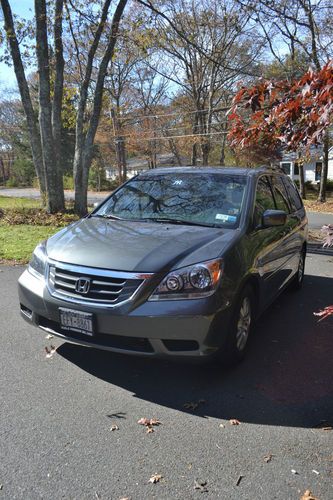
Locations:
177 262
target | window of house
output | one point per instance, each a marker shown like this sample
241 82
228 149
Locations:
286 167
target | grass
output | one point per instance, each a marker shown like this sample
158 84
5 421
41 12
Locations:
18 242
8 203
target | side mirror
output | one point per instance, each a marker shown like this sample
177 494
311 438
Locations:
272 218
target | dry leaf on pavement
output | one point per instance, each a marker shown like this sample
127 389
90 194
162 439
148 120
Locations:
234 421
50 351
114 427
149 429
307 495
155 478
268 457
149 421
200 485
49 336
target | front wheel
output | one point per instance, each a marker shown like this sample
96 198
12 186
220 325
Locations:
241 324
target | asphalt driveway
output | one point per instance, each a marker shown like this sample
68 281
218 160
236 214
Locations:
56 413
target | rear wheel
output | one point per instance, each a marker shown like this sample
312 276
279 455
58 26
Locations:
241 324
297 281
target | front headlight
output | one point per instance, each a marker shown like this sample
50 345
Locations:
192 282
38 260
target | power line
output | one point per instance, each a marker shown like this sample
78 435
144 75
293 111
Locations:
183 113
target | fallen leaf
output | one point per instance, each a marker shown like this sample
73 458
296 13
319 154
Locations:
200 485
149 421
155 478
307 495
125 498
268 458
234 421
149 429
114 427
193 405
293 471
50 352
239 480
49 337
222 426
324 426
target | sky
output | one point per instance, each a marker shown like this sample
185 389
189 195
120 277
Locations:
22 8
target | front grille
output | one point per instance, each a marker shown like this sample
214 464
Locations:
104 287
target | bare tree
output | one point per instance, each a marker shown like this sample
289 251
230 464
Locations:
46 144
201 39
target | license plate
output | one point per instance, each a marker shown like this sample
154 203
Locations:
76 321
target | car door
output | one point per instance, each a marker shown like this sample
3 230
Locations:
266 244
291 243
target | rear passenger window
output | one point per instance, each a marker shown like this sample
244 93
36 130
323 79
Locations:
280 194
264 200
294 197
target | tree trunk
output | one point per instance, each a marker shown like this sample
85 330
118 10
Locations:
324 170
34 135
223 144
205 149
54 182
58 83
85 141
119 146
194 158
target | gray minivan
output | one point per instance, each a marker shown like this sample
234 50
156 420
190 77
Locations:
176 262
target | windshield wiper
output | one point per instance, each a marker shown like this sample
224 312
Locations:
169 220
107 216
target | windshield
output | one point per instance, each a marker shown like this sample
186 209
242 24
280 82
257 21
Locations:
193 198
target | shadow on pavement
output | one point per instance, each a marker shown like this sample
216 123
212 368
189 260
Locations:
287 378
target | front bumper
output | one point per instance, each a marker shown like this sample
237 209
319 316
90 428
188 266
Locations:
182 328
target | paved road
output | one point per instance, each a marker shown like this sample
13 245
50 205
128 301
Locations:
56 414
34 194
316 220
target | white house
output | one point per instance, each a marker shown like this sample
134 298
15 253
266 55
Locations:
312 169
137 165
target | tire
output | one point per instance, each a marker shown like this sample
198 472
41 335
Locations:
297 281
236 345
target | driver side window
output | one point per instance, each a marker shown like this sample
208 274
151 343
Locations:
264 200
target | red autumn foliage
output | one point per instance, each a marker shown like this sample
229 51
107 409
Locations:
288 114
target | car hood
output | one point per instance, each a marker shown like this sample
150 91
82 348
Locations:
136 246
